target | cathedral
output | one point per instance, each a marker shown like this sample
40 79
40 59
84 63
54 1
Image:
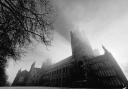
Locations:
82 69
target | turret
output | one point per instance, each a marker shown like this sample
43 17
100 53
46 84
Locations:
33 65
80 45
105 50
19 71
119 73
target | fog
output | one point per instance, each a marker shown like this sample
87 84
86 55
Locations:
104 22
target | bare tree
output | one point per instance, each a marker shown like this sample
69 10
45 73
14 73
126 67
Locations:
20 22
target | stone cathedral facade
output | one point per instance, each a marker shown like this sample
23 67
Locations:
82 69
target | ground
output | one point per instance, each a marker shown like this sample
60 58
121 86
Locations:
44 88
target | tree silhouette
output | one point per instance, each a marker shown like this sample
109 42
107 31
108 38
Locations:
21 21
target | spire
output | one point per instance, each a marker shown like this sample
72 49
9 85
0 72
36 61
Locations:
80 45
33 64
105 50
19 71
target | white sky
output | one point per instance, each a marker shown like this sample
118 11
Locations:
103 21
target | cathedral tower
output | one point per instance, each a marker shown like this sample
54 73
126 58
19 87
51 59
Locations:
80 45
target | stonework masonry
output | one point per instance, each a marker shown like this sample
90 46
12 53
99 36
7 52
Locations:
82 69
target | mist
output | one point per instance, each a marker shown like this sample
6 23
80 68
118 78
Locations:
104 22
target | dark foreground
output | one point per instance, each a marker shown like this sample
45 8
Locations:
51 88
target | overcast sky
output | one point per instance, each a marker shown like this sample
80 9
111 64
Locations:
103 22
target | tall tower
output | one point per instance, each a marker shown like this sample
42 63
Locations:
80 45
